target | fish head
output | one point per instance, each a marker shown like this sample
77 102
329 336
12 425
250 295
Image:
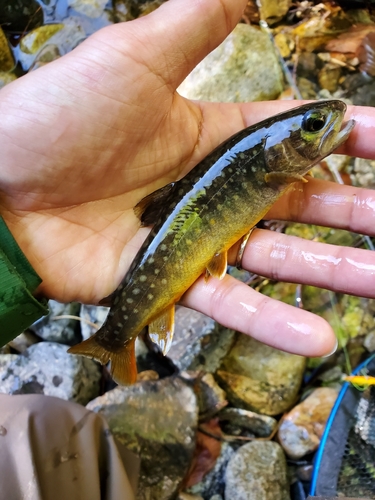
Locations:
305 135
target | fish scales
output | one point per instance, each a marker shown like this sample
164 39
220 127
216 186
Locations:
198 218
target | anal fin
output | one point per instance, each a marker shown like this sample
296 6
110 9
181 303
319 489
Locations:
217 267
161 330
123 362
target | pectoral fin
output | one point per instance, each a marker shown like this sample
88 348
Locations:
161 330
217 267
123 362
283 178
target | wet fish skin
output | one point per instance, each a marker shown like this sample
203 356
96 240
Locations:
198 218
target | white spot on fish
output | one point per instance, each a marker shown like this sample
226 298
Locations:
152 285
125 317
136 291
129 300
156 271
120 325
135 311
163 247
143 277
123 308
150 296
163 281
151 260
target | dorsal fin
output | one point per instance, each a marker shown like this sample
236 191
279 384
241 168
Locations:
150 207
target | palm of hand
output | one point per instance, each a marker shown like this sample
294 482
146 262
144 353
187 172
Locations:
79 180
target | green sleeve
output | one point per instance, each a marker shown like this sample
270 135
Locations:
18 280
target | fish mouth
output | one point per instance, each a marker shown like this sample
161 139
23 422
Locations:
332 138
344 132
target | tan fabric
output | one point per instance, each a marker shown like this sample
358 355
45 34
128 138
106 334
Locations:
52 449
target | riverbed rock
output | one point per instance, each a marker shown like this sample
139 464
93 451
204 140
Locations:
64 330
6 57
273 11
90 8
93 318
238 419
199 343
6 78
302 428
243 68
157 421
46 368
259 378
213 481
258 471
210 396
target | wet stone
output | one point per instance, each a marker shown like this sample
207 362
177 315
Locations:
227 74
48 54
6 57
258 471
258 425
6 78
213 482
34 40
302 428
210 396
46 368
157 421
64 330
199 343
273 11
93 318
90 8
259 378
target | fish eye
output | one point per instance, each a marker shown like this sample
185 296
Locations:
314 121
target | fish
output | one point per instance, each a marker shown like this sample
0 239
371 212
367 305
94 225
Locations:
197 219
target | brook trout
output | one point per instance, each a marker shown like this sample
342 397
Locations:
198 218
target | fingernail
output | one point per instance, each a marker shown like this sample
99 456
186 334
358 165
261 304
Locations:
333 350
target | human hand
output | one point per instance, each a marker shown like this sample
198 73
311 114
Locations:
84 138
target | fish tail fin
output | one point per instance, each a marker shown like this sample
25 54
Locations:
124 365
123 361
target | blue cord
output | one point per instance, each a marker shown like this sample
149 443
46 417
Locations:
331 417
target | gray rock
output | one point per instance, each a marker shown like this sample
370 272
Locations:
46 368
90 8
213 482
199 343
65 330
211 397
257 471
259 378
259 425
301 429
5 361
156 420
93 317
243 68
363 173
